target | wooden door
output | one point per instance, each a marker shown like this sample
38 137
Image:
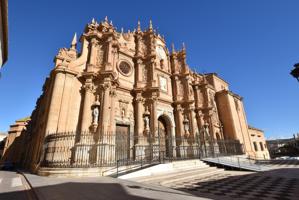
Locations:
122 143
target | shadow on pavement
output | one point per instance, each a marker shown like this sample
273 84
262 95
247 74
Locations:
76 191
282 184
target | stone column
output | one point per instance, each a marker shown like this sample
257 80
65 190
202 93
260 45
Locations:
55 103
104 111
176 88
139 141
153 73
112 111
109 54
139 71
139 116
93 54
86 112
153 119
65 103
193 122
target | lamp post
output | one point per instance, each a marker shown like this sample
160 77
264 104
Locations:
295 72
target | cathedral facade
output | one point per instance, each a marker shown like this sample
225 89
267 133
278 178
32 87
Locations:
129 85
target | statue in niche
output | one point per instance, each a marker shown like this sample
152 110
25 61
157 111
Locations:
95 115
146 119
146 123
123 113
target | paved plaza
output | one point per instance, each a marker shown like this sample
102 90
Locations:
280 183
265 185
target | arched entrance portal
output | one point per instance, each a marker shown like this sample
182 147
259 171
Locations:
164 134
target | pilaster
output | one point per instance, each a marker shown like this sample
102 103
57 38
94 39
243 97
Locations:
86 112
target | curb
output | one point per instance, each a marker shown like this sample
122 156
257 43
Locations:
32 192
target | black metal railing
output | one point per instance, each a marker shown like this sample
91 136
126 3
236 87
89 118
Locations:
86 149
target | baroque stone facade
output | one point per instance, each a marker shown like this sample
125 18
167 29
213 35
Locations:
130 82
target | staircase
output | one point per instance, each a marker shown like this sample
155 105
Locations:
171 173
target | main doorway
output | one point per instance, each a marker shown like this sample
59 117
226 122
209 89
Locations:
122 142
164 136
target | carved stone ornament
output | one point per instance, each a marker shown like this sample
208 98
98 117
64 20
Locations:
144 73
65 53
88 87
100 56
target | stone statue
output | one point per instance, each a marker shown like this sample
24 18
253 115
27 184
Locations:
146 123
95 114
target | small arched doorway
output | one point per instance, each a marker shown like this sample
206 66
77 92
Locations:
164 135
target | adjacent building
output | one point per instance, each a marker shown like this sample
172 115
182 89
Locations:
14 142
284 147
2 143
125 96
259 143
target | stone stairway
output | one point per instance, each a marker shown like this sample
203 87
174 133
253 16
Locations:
175 172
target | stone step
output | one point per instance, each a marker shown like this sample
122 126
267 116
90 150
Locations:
187 163
191 177
174 174
205 177
162 169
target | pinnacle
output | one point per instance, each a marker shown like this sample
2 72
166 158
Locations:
172 48
138 26
74 41
150 25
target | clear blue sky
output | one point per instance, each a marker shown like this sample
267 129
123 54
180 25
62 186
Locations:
252 44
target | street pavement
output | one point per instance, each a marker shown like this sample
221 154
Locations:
275 184
98 188
13 186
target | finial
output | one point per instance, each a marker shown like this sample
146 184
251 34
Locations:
74 42
184 47
150 25
106 19
134 30
93 21
122 30
111 23
138 26
172 48
129 31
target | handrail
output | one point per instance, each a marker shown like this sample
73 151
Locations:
141 161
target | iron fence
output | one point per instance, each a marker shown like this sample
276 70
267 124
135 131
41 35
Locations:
86 149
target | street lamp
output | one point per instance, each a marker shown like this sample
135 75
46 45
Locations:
295 72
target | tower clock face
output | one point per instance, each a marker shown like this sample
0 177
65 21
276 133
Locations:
161 53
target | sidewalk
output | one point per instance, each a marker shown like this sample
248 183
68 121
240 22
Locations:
52 188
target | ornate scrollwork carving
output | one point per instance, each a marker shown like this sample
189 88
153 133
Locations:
66 54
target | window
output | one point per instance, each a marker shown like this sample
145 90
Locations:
262 146
255 146
124 68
